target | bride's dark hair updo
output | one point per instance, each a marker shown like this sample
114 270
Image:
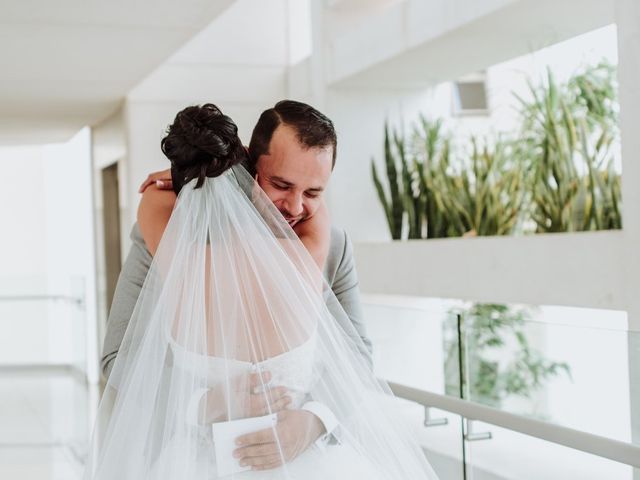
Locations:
201 142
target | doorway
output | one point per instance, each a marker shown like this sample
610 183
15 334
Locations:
111 218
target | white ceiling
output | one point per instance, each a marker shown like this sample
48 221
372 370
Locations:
69 63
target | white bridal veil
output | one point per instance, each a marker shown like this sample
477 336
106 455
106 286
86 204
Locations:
233 306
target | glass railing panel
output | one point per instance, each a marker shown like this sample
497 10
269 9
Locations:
46 416
574 367
42 321
567 366
407 334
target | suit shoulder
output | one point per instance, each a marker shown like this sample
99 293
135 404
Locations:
337 251
338 238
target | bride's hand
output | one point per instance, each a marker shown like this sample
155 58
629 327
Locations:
296 431
249 399
161 179
262 399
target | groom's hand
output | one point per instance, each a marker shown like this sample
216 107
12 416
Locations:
296 431
161 179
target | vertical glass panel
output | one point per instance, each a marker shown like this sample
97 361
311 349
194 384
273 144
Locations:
556 364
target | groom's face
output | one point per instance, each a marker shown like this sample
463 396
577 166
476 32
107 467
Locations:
293 176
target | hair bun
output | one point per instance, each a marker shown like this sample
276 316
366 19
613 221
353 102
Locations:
201 142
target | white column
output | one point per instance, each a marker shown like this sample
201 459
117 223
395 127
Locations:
628 21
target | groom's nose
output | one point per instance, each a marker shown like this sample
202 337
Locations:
293 204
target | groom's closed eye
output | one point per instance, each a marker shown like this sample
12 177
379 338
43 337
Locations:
283 185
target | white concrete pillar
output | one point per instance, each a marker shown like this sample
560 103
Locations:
628 21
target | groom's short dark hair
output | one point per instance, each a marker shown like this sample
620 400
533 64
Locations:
313 129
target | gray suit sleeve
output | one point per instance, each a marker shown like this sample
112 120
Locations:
130 281
345 288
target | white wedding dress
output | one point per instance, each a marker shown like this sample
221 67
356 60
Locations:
294 370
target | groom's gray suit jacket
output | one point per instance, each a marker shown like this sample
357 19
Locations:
339 272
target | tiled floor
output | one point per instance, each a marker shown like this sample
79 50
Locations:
45 421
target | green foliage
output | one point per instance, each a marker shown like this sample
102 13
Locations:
431 164
479 195
498 360
487 193
395 203
567 136
557 174
594 94
392 202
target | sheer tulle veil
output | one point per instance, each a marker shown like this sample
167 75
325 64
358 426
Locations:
232 292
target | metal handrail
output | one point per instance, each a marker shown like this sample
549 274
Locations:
622 452
22 298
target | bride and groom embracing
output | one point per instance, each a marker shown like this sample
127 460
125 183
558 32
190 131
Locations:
235 346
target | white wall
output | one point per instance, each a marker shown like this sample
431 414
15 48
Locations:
22 197
359 116
48 250
71 267
628 20
23 255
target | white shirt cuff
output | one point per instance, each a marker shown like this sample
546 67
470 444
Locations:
327 418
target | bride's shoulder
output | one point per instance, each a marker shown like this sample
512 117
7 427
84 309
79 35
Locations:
154 212
154 202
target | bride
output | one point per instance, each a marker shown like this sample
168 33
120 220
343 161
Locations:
231 336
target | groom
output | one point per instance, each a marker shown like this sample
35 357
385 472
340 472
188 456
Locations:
292 154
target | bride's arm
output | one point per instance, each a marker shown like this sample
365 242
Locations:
154 211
